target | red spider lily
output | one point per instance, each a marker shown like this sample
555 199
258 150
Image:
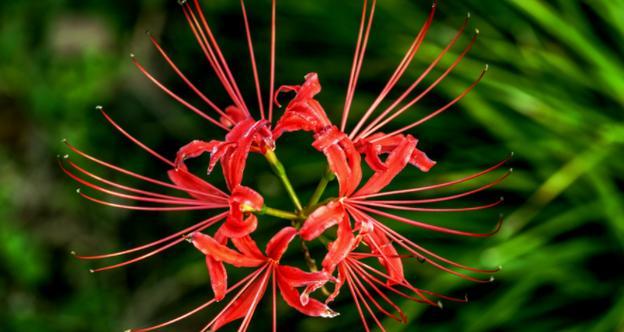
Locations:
247 254
360 213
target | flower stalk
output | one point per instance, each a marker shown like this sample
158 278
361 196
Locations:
269 211
280 171
328 176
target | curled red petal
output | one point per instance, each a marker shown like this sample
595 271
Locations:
296 277
341 247
237 225
395 163
210 247
279 242
246 199
321 219
420 160
303 111
247 246
292 297
342 156
337 284
234 115
387 255
218 277
184 179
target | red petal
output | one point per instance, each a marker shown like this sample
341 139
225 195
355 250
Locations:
303 112
240 307
395 163
244 135
210 247
279 242
321 219
420 160
235 226
218 277
246 199
313 308
184 179
248 247
296 277
339 249
337 285
235 114
299 278
388 256
342 156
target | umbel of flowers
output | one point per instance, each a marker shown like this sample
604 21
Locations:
363 256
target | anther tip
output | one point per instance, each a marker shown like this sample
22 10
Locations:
466 297
91 271
511 170
468 15
181 2
148 32
492 278
502 198
99 107
434 4
73 253
78 191
477 31
65 156
500 267
440 305
132 55
63 140
486 67
512 153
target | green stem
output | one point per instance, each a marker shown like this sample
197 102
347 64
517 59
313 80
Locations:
280 171
278 213
320 188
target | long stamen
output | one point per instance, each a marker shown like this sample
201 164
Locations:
371 280
272 69
422 76
356 278
358 58
150 208
175 96
350 278
435 113
386 299
261 269
248 279
421 251
263 284
208 222
421 297
406 208
429 88
120 186
172 200
409 55
446 198
222 197
220 54
355 299
186 80
209 53
253 59
431 227
439 185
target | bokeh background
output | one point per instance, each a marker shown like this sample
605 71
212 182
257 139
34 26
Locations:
554 95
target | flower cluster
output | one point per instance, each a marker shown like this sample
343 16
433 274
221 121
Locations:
362 253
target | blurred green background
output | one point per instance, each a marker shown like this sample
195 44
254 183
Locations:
554 95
